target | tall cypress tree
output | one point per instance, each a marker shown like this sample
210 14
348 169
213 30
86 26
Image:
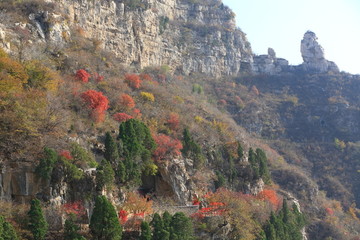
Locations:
47 163
7 231
71 229
104 175
111 149
254 163
181 227
158 227
104 224
145 231
240 151
37 223
263 169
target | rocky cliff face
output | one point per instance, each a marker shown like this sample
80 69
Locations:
189 37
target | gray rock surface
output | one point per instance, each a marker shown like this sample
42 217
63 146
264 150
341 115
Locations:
188 37
314 56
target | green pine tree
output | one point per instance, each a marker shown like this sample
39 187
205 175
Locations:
158 227
263 169
46 164
240 151
254 164
104 175
37 223
71 229
181 227
104 224
145 231
121 172
111 149
7 231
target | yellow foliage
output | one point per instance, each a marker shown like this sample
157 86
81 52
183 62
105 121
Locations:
199 119
147 96
339 144
3 53
41 77
137 204
178 99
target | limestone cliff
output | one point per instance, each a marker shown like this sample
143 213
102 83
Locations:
187 36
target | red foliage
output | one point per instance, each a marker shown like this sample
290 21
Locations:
136 113
145 77
166 146
66 154
173 121
270 196
196 201
127 101
211 209
76 208
123 216
329 211
97 102
121 117
98 77
82 75
133 81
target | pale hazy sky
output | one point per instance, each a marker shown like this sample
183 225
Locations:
281 24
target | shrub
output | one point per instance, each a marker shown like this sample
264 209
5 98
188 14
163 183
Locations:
127 101
97 103
147 96
133 81
82 75
121 117
173 121
166 147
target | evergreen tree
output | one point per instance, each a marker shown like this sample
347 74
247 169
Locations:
166 220
145 231
240 151
104 175
104 224
121 172
46 165
220 182
37 223
111 149
158 227
181 227
71 229
191 149
7 231
263 169
254 163
136 138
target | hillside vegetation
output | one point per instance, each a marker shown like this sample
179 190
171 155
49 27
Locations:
91 148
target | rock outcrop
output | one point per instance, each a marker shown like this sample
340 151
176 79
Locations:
269 63
189 37
313 55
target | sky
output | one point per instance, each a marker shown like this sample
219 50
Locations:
281 24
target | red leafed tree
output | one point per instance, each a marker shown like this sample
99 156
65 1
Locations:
270 196
133 80
127 101
66 154
97 103
123 216
76 208
136 113
173 121
145 77
166 146
121 117
255 90
82 75
98 77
